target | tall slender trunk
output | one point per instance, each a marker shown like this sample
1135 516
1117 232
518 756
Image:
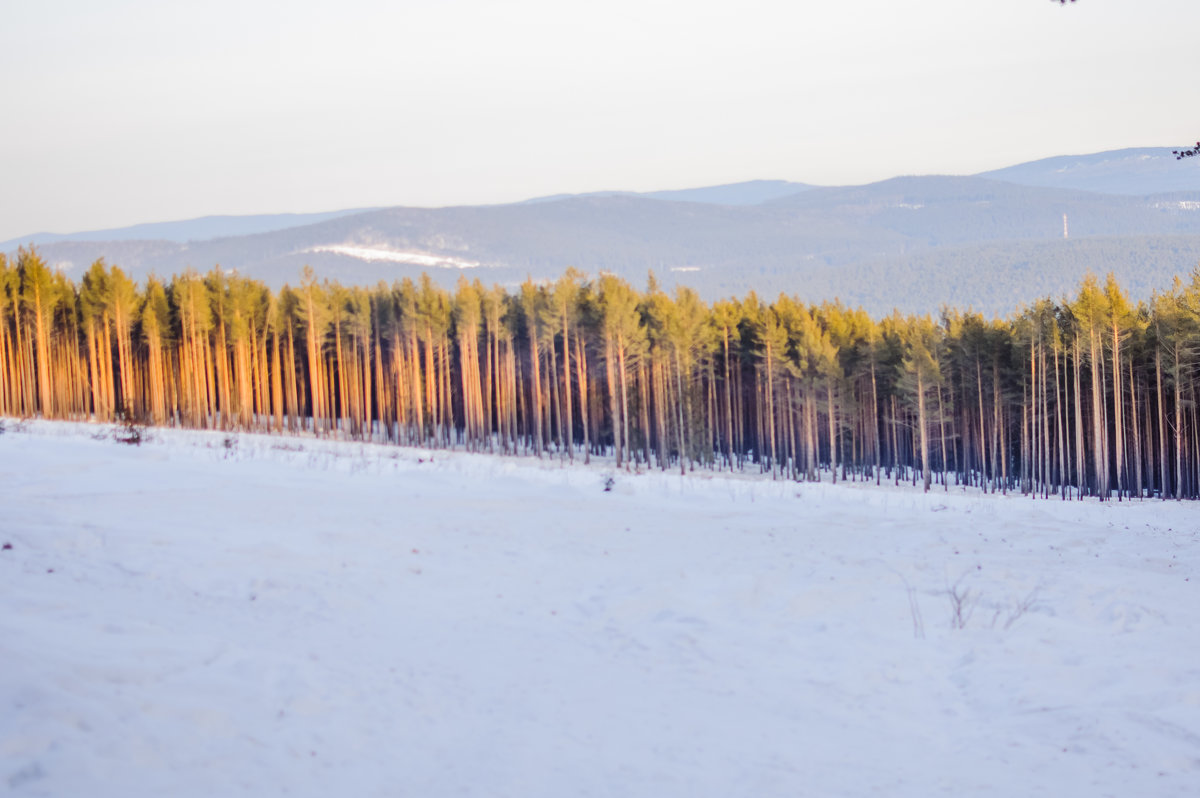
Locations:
683 449
1098 431
535 394
1163 485
922 427
569 432
614 407
622 371
581 367
1179 441
833 426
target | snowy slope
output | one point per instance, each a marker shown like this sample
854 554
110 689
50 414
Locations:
292 616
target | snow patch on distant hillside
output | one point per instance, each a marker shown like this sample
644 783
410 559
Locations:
1182 205
416 258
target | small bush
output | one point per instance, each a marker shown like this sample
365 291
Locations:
962 603
130 430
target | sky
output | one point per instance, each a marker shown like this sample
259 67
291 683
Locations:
118 112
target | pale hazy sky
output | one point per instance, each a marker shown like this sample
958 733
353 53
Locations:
116 112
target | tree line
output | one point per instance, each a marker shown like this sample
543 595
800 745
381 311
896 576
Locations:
1090 396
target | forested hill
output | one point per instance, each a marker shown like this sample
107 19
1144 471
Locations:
994 278
912 243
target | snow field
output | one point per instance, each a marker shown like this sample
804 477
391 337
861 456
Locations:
296 616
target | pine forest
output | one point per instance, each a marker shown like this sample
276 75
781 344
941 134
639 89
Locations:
1090 396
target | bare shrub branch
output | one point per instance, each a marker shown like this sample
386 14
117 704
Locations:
963 602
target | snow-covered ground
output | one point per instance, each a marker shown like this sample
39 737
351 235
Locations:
303 617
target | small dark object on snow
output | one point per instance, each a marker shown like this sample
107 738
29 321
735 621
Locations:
6 547
608 484
129 429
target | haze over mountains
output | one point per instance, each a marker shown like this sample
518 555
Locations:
992 241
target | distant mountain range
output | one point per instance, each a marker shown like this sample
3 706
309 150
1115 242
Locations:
751 192
992 241
1137 172
202 229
